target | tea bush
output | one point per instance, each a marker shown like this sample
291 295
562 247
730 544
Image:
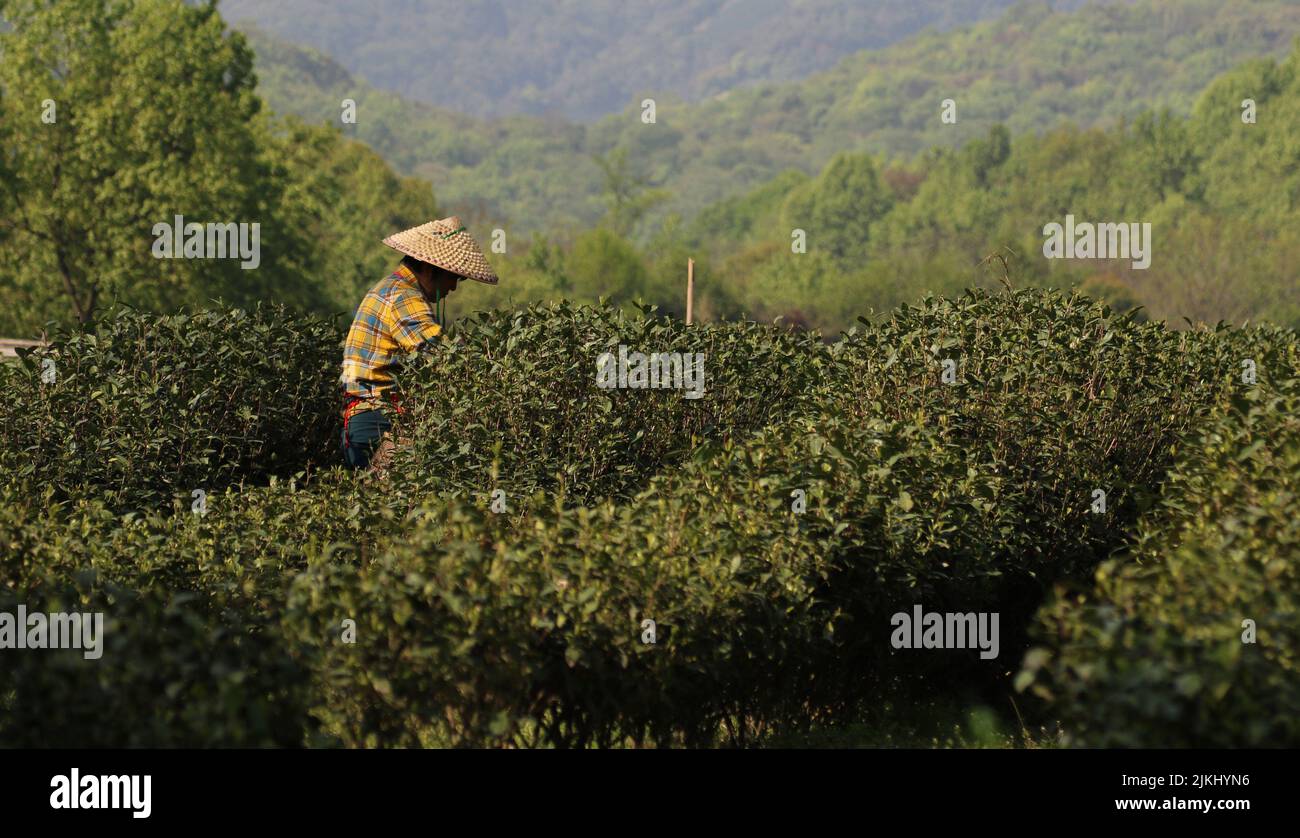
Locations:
525 628
938 503
510 401
175 671
1058 394
181 664
1156 656
194 652
472 632
1054 391
144 408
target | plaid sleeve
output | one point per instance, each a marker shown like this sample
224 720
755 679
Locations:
412 321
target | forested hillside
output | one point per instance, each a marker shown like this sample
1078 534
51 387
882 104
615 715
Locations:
1032 69
881 227
1222 196
585 60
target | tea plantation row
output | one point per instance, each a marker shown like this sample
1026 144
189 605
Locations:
949 456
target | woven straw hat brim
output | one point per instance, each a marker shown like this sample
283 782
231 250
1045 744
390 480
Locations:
447 244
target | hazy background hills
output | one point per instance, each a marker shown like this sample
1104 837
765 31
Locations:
1032 68
583 60
1119 112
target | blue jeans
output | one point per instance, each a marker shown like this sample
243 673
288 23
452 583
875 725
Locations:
361 435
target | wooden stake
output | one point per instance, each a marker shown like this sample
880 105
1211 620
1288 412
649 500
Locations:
690 289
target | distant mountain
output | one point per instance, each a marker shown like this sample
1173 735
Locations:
1031 69
586 59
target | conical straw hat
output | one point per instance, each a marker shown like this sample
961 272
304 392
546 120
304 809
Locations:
447 244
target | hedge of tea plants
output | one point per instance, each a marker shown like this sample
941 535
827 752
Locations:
1056 392
512 395
144 408
1061 396
1193 640
479 633
769 529
194 653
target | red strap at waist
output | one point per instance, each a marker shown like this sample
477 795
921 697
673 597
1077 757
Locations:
349 400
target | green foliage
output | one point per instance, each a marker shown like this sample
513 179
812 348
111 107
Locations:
511 401
192 650
1055 392
1145 149
470 627
966 497
603 264
626 198
1190 178
144 408
744 217
1112 290
341 200
880 233
1156 655
587 60
154 116
175 672
524 628
1032 69
476 635
839 206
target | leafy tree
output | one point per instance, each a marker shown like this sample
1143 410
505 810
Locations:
153 116
839 207
604 264
986 154
339 201
1166 156
627 196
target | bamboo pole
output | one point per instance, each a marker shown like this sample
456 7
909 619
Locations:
690 290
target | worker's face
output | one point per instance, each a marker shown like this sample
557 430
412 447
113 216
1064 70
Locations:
436 282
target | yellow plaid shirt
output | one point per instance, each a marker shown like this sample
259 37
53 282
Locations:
394 318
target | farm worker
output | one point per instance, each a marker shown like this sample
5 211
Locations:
401 314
